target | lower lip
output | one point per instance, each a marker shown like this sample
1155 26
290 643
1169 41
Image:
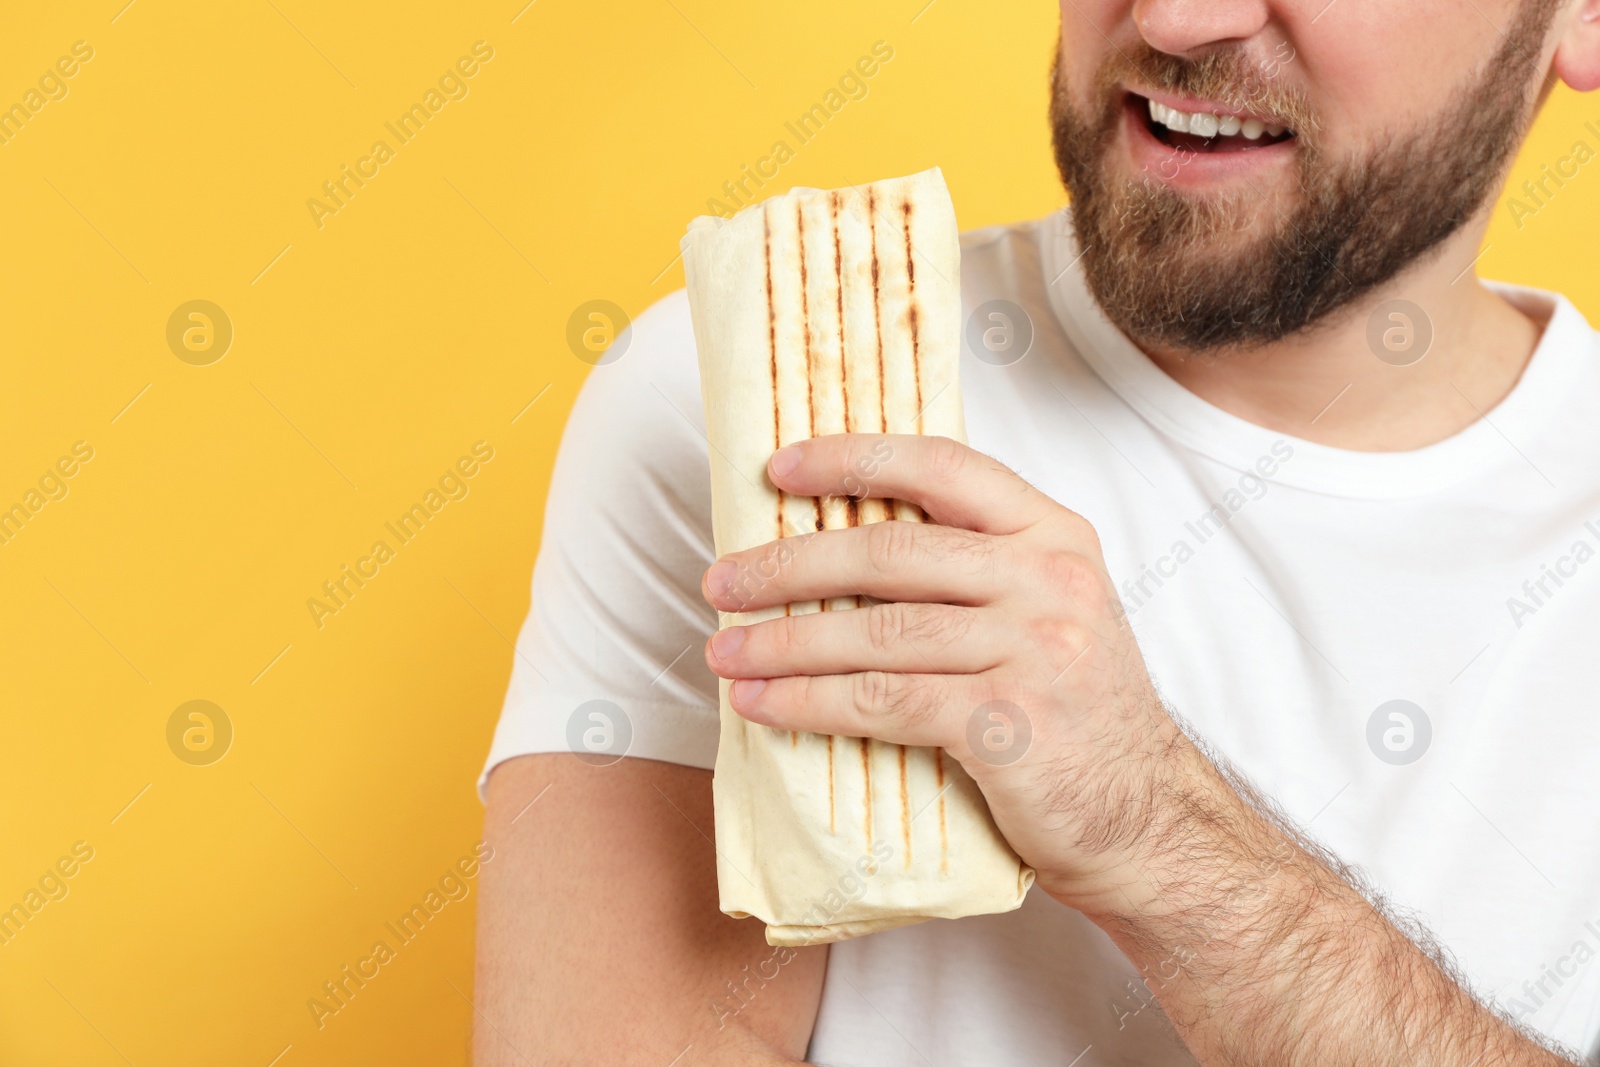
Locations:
1182 168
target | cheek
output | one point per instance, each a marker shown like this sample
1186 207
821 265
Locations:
1089 30
1370 67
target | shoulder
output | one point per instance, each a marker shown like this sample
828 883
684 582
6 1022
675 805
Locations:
632 476
641 407
1005 240
1004 261
654 355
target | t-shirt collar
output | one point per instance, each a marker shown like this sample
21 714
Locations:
1568 344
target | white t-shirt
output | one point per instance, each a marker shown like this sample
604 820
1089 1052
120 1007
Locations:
1284 593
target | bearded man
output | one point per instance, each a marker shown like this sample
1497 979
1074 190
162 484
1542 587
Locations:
1277 524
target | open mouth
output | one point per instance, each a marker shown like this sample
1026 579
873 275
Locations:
1206 131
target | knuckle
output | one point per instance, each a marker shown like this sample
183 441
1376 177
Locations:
1072 528
885 695
945 457
808 691
785 635
886 623
891 545
1063 641
1075 577
863 463
872 692
1081 531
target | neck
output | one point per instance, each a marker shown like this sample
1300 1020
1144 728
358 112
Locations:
1327 385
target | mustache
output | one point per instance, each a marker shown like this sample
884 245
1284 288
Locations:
1229 76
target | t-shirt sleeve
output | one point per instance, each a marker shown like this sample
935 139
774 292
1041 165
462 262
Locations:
616 614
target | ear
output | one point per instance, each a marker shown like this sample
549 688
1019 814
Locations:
1577 58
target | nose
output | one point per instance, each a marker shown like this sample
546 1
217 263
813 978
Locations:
1179 27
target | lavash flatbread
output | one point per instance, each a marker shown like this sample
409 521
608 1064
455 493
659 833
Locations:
816 312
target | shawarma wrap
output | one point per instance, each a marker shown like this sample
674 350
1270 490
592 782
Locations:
818 312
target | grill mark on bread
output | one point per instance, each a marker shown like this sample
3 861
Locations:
805 324
832 828
852 515
912 321
877 308
911 310
883 427
877 325
944 836
772 350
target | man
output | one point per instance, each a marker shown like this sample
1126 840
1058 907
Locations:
1306 670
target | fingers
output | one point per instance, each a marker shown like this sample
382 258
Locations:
926 638
955 485
900 561
903 709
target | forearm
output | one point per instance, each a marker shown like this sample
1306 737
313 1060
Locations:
1261 951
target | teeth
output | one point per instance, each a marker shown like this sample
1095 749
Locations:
1210 124
1171 118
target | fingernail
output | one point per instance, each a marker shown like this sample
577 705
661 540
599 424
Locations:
785 460
746 690
726 642
719 579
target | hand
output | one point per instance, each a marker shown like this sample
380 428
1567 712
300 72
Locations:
995 635
1260 950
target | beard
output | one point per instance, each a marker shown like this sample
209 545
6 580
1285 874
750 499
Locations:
1235 271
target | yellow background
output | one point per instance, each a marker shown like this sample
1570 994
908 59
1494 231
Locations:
368 355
